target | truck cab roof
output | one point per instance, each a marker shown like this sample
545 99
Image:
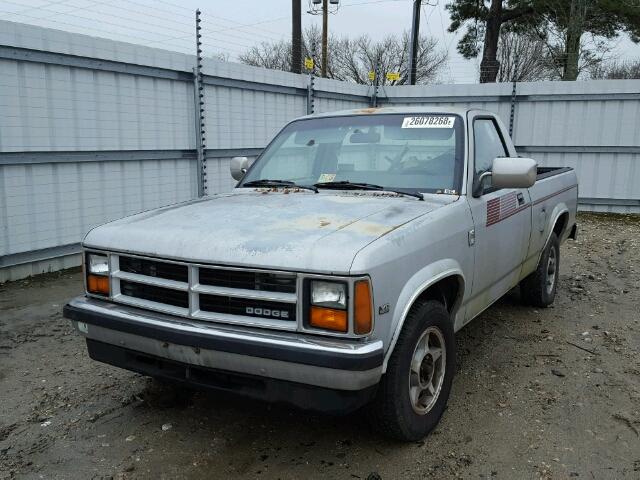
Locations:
462 111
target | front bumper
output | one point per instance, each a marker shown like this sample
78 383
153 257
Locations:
348 365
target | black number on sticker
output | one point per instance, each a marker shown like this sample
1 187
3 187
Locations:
431 121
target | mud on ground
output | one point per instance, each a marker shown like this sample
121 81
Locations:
539 393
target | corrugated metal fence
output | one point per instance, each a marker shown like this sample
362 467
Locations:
92 130
593 127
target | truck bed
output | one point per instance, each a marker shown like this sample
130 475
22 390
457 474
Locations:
546 172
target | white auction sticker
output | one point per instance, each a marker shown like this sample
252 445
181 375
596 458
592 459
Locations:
431 121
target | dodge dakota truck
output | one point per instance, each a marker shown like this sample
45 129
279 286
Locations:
335 274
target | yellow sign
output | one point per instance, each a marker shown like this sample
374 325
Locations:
372 76
308 63
391 76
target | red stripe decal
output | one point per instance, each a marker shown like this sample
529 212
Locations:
501 208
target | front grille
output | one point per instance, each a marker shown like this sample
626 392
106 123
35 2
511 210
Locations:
248 280
153 268
155 294
248 307
213 294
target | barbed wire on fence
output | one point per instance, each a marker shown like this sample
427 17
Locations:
168 25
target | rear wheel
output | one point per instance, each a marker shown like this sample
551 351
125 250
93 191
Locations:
414 391
539 288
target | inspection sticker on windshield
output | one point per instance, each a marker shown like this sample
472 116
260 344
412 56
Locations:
326 177
428 122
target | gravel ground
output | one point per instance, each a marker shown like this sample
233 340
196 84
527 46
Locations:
551 393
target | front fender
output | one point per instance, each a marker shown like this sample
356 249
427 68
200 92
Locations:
414 287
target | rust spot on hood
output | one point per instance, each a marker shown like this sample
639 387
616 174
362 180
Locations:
367 228
367 110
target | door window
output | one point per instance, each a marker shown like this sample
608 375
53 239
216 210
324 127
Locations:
487 145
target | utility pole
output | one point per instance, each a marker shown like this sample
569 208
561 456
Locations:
296 36
325 35
415 36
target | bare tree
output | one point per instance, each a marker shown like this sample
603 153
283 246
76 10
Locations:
352 59
617 70
273 55
223 57
523 57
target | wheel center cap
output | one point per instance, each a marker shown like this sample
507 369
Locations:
426 370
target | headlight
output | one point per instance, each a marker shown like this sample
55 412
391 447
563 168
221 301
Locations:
328 309
97 269
97 264
329 294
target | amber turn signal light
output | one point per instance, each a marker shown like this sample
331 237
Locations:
363 314
328 318
98 284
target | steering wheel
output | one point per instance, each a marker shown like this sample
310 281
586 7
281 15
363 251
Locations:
438 164
395 162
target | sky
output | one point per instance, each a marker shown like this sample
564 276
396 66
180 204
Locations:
232 26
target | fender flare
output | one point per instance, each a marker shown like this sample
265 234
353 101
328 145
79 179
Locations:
415 286
558 211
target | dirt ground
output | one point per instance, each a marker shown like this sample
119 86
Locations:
550 393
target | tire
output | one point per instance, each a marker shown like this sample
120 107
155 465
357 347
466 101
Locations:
539 288
393 412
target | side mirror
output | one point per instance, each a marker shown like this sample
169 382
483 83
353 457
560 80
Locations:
509 172
238 167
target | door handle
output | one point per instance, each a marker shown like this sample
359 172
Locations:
520 197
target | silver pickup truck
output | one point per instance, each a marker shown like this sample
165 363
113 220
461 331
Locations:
336 273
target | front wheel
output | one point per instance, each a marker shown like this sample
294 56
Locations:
413 393
539 288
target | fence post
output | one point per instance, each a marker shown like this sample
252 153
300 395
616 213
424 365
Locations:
513 96
311 84
198 96
310 100
374 94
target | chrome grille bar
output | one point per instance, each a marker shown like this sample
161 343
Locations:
242 293
252 297
154 281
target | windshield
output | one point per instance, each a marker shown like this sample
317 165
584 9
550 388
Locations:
422 153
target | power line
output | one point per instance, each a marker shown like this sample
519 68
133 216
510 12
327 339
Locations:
223 29
81 27
254 24
56 13
244 45
443 37
371 2
237 28
174 5
241 25
170 39
239 37
38 7
137 21
156 16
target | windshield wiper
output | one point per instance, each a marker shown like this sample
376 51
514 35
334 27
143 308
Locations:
347 185
265 182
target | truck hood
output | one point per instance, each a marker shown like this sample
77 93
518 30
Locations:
296 231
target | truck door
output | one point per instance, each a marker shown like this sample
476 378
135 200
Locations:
502 219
